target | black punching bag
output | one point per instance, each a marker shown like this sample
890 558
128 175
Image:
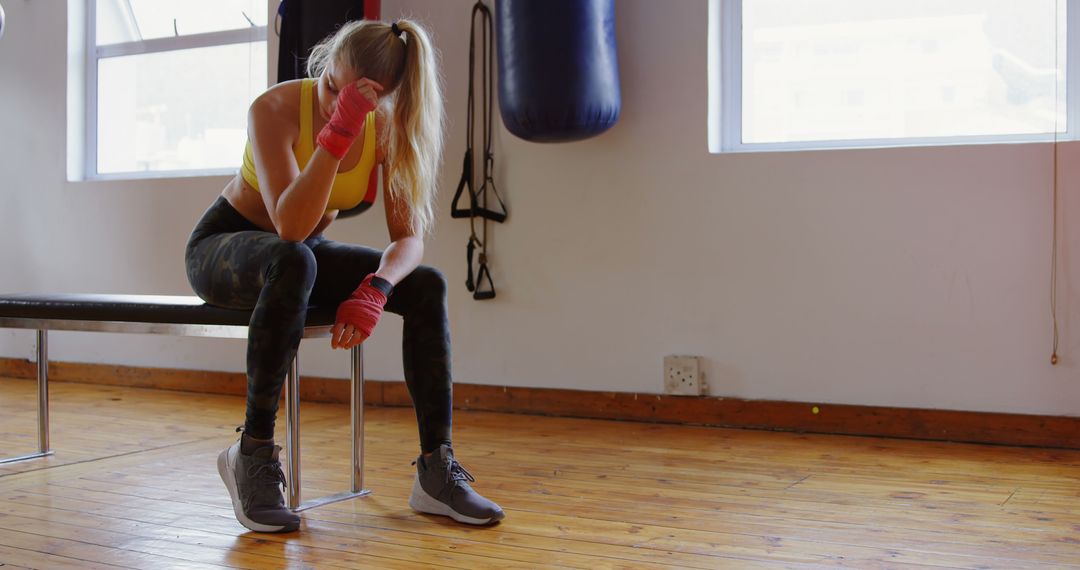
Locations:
558 68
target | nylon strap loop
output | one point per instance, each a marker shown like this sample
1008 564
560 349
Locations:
478 198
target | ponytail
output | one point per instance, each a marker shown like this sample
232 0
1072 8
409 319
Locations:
416 132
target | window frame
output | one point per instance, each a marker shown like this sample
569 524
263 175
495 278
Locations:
95 53
725 94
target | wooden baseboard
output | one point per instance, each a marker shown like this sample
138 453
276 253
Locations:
840 419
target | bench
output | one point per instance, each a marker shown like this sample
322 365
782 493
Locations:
179 316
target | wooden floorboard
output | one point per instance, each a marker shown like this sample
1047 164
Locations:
132 484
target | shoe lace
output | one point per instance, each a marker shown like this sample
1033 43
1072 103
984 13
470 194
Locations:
455 472
269 475
269 472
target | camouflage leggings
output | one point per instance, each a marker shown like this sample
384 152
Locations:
232 263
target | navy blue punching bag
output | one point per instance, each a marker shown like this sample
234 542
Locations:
558 68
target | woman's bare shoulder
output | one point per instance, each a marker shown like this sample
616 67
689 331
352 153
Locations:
278 106
284 96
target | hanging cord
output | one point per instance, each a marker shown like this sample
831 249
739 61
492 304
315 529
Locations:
1054 222
478 199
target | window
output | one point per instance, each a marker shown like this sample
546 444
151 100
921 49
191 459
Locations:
168 84
857 73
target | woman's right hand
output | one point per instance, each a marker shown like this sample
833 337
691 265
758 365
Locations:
354 102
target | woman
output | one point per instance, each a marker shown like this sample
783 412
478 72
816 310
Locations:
313 145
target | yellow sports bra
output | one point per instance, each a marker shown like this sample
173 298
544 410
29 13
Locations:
350 188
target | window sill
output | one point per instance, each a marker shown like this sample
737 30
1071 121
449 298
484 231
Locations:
877 144
163 175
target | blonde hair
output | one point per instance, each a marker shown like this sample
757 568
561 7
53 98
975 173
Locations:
406 67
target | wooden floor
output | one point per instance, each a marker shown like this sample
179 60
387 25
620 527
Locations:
133 484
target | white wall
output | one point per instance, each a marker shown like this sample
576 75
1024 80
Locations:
901 277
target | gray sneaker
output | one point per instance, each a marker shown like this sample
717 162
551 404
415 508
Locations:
442 488
255 484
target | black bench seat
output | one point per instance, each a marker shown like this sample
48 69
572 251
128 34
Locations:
77 311
178 316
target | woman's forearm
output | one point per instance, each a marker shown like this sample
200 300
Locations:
302 205
400 258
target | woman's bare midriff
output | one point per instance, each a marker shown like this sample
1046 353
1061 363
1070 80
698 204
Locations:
248 202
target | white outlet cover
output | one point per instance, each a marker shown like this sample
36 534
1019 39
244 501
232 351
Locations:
682 376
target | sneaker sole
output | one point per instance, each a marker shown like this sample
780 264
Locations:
228 476
421 501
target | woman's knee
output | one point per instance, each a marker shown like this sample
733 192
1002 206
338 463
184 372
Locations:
292 261
430 282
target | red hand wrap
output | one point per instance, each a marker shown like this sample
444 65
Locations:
344 126
363 308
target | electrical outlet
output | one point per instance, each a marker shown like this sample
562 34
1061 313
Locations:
683 376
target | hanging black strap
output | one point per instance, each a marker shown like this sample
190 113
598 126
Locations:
469 249
466 182
476 208
476 286
479 294
482 286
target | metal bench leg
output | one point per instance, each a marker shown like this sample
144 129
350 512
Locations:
43 400
292 430
356 381
292 403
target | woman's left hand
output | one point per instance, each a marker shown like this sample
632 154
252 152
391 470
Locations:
357 315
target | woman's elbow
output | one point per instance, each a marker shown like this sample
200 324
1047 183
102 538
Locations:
288 227
291 231
411 241
291 237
